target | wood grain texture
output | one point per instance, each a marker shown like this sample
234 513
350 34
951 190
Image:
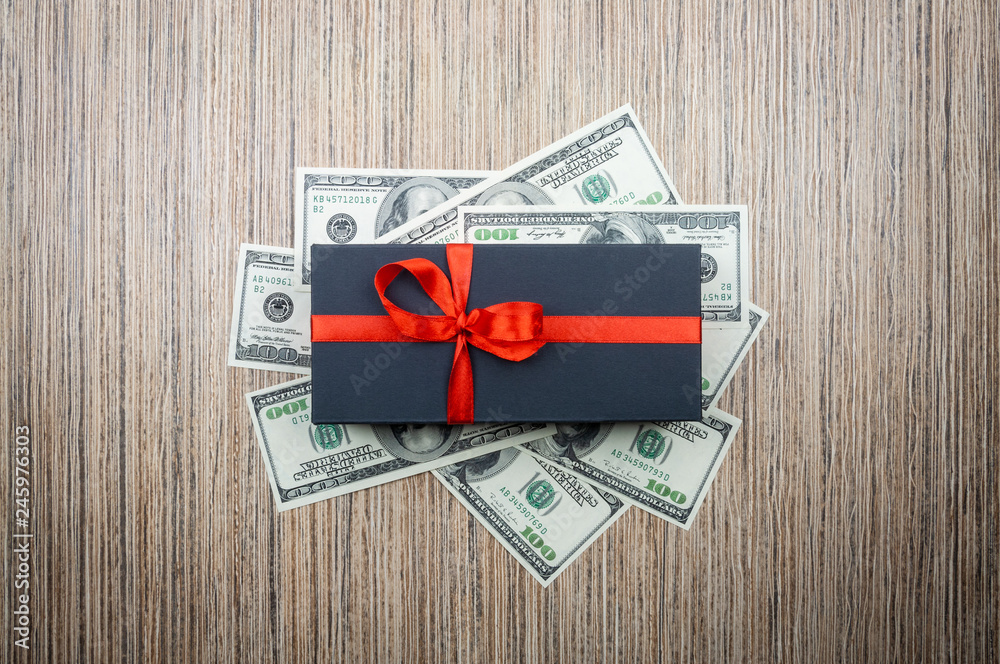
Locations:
857 516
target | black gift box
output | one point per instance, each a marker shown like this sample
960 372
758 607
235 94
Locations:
391 382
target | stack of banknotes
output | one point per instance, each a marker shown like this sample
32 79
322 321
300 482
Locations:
544 491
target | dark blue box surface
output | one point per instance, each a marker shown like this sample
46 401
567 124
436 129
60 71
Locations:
363 382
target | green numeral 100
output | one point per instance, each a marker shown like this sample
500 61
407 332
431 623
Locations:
664 490
536 541
266 352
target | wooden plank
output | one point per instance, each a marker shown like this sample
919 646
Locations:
857 515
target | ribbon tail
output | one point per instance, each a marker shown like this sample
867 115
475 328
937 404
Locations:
461 407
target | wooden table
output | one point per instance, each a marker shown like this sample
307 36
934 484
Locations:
856 516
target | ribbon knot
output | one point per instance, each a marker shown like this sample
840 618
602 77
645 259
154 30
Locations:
510 330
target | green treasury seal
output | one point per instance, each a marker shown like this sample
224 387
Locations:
327 436
540 494
596 188
650 444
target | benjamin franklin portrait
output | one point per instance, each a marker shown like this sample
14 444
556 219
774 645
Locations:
481 467
569 441
410 200
622 228
417 442
512 193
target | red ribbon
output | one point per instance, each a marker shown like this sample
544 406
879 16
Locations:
511 330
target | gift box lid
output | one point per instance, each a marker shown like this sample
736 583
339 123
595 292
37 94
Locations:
396 382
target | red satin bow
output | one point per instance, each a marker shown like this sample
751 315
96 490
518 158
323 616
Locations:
509 330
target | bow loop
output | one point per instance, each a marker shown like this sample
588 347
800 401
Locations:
509 330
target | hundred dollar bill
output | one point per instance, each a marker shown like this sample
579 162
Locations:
544 516
341 205
307 463
270 328
608 162
722 352
664 468
721 230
